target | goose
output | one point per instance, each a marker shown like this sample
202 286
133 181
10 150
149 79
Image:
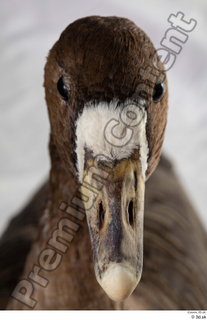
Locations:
104 232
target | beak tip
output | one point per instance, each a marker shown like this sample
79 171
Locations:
118 282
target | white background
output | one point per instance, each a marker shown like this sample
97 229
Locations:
28 29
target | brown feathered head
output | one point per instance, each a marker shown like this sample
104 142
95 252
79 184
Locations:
107 98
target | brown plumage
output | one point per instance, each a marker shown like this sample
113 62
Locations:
100 59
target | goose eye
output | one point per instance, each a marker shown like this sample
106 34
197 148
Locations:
61 87
159 91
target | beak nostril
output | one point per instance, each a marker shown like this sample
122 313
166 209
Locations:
131 212
101 213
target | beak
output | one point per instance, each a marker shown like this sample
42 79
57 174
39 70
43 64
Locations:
115 222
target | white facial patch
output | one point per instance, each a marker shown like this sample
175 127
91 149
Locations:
112 132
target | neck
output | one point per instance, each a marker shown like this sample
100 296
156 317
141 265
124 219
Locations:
60 263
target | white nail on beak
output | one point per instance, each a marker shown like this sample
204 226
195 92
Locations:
118 282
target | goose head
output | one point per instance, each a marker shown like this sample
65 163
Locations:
106 92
